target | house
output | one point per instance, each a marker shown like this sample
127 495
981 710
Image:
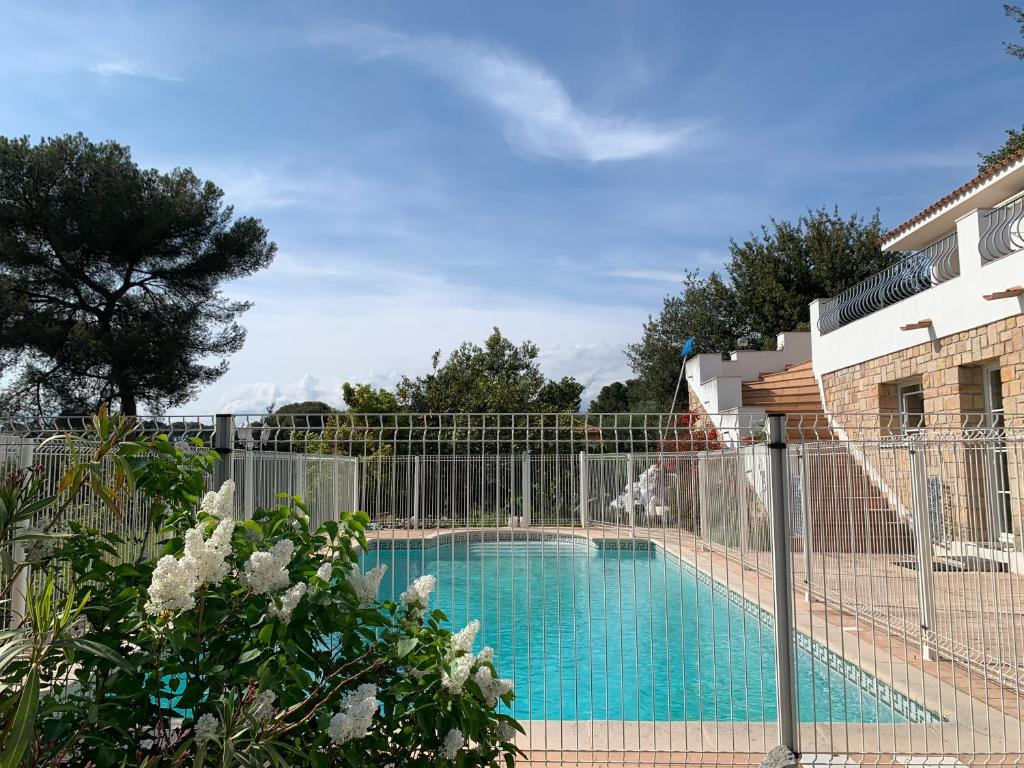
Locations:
930 348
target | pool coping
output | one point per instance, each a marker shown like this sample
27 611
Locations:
968 724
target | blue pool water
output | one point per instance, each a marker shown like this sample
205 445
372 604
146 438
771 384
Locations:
623 634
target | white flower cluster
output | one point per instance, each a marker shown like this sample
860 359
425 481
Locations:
464 665
220 503
417 596
263 706
453 742
491 687
205 728
173 586
463 639
210 555
268 571
366 586
289 600
175 581
324 572
505 731
456 679
354 718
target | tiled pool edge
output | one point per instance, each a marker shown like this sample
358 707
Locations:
900 703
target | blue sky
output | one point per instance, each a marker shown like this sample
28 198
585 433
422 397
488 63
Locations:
430 170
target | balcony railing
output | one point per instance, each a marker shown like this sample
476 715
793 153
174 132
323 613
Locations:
1002 231
909 276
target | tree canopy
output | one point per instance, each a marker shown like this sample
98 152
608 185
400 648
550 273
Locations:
111 277
499 377
769 282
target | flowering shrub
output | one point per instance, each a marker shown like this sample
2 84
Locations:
255 642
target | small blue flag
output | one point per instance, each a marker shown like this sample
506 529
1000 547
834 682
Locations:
688 346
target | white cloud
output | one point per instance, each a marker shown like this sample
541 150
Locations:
536 109
126 68
647 275
303 349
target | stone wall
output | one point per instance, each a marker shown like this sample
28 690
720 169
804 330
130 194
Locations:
863 401
949 369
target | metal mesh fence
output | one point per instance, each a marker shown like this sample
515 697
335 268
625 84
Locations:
623 567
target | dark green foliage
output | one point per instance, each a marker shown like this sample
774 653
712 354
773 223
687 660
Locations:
776 275
363 398
499 377
1014 144
707 309
111 275
1016 13
622 397
772 278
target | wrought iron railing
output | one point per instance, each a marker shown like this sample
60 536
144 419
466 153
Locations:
1002 231
909 276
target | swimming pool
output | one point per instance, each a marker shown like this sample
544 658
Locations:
618 632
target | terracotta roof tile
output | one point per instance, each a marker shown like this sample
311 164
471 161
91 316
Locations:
957 193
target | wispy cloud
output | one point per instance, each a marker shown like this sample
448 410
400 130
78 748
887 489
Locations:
536 110
647 275
127 68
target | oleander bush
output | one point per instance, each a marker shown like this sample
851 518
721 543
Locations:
215 641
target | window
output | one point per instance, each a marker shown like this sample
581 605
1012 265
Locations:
911 404
998 463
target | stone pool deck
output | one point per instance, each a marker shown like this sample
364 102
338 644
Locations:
982 721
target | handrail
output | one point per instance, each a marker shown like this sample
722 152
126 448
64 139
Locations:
909 276
1002 233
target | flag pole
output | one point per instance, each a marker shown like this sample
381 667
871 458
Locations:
687 349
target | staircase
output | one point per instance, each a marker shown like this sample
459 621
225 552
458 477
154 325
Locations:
793 391
849 513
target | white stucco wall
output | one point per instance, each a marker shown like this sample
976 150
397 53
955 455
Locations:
954 306
718 382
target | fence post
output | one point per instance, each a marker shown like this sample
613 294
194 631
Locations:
249 491
630 494
357 499
223 442
805 512
527 501
416 492
923 544
782 582
584 490
19 589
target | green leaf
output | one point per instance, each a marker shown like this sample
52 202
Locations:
406 646
98 649
23 726
252 653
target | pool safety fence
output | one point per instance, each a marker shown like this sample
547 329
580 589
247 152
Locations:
673 588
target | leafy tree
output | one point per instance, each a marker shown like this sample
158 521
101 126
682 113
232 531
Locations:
771 279
363 398
499 377
111 277
1014 139
290 427
707 309
1014 144
562 396
776 275
1016 13
613 398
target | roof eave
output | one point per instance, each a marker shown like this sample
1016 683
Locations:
983 191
